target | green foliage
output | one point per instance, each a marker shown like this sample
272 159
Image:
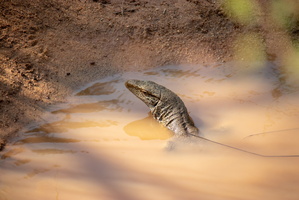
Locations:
280 21
284 12
242 11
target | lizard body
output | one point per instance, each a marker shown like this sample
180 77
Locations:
166 107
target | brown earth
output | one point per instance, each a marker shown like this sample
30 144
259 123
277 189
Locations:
49 48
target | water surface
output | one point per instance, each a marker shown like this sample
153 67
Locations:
103 144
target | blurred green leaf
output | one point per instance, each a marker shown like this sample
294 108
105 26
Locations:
283 12
243 11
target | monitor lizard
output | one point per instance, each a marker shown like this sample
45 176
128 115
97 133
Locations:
165 106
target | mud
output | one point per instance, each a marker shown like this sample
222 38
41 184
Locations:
48 48
104 145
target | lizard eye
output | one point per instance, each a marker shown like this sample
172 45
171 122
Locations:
148 94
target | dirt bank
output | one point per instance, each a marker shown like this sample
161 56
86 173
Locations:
48 48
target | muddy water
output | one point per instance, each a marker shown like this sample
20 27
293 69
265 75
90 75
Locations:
103 144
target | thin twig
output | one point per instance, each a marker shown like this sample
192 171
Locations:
256 134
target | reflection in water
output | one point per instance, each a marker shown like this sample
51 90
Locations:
91 107
22 162
100 146
276 93
63 126
36 172
12 152
52 151
99 89
175 73
148 129
46 139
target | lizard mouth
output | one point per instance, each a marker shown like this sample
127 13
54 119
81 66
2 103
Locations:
130 84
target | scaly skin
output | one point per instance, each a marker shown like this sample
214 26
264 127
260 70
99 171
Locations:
166 107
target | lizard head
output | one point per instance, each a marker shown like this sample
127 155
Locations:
147 91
